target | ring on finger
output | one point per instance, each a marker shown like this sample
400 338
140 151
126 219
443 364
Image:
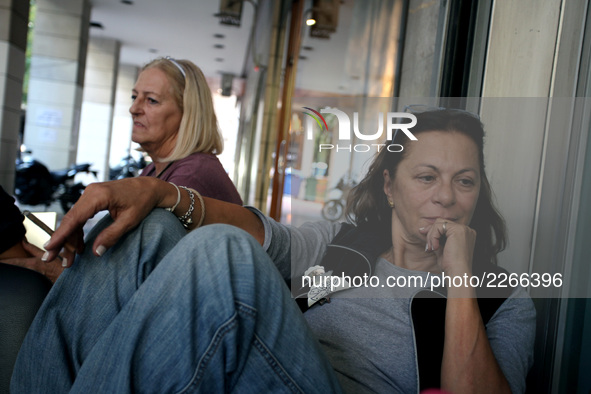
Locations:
444 227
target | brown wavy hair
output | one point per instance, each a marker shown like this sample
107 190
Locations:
367 204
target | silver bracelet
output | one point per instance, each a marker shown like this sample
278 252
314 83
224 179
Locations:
178 198
186 219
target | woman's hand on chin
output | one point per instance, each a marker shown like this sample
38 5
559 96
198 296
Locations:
128 201
453 244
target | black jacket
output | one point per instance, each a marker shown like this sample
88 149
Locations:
12 229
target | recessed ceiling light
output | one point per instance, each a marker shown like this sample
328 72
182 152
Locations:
303 57
98 25
153 50
218 35
128 2
219 59
307 48
219 46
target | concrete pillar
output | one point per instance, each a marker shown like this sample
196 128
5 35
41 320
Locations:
14 17
98 100
422 49
121 144
56 80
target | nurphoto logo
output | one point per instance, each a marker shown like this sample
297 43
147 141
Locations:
393 124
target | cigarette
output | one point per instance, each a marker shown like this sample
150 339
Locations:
45 228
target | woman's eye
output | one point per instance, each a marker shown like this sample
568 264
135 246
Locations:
133 97
426 178
466 182
152 101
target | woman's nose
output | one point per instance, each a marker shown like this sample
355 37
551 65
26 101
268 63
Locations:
444 194
134 108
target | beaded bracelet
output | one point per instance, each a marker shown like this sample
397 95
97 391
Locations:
186 219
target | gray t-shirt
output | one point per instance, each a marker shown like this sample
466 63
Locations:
370 341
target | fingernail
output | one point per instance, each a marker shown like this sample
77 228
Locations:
427 247
46 243
45 256
65 262
422 228
100 250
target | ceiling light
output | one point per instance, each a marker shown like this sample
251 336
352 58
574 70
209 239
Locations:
310 21
98 25
230 12
128 2
219 46
218 35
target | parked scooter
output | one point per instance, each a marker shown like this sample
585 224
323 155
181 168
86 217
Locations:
334 209
128 167
36 185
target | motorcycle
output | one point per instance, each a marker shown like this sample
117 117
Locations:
36 185
128 167
334 209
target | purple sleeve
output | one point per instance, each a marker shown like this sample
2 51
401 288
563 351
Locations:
205 174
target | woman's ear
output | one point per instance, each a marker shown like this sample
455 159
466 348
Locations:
387 185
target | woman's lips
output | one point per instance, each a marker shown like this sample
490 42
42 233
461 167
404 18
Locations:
434 218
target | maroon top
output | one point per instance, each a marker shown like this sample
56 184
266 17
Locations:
202 172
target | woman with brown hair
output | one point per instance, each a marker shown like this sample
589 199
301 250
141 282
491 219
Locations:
158 310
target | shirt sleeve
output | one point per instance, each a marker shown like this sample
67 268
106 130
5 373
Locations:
12 229
295 249
511 334
207 177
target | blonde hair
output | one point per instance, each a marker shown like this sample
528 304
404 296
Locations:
198 131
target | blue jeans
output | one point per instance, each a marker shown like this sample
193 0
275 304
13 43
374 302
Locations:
164 312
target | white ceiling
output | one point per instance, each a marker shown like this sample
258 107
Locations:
182 29
186 29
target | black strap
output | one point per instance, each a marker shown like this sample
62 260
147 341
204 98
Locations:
428 318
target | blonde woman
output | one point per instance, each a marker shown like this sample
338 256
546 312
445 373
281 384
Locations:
175 124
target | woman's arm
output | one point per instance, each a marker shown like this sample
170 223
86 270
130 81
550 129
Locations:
469 364
15 251
129 201
29 256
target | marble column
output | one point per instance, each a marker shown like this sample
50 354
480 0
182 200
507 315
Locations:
98 102
14 17
56 81
121 144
